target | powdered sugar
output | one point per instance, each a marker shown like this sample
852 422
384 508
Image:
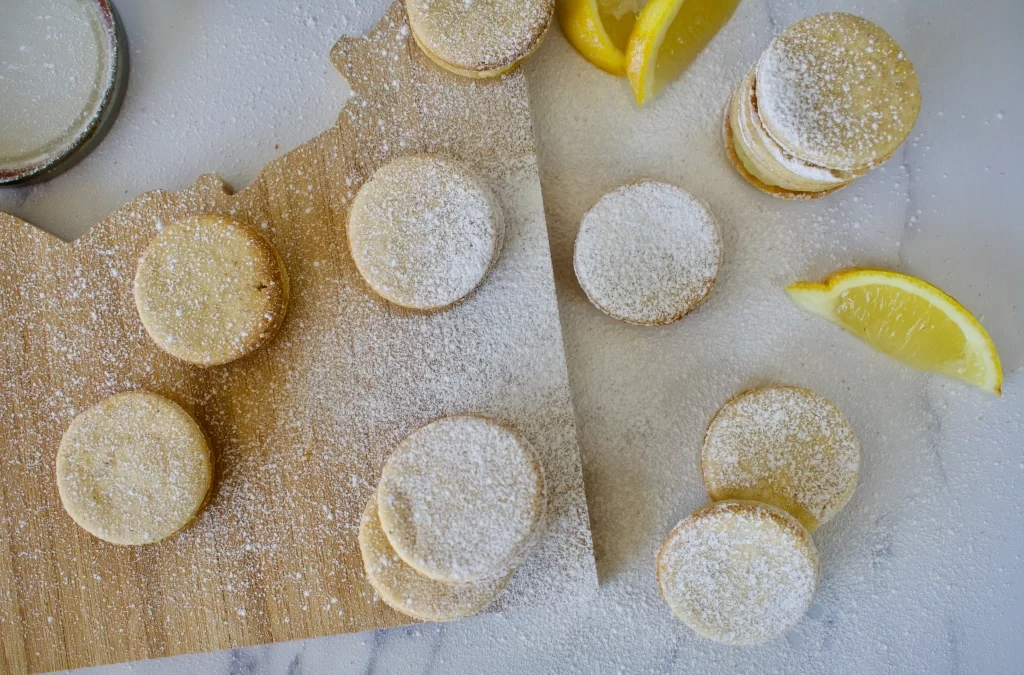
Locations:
785 446
837 91
739 573
648 253
424 232
480 35
460 499
301 428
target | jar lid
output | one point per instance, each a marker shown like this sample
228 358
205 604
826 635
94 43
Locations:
63 74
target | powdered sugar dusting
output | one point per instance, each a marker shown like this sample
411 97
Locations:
480 35
301 428
648 253
786 446
837 91
738 573
424 233
461 498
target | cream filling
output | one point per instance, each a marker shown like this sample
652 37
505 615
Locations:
764 158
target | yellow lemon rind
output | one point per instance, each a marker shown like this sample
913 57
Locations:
819 299
582 26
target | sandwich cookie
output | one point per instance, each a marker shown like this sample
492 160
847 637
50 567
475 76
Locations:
461 499
133 469
479 38
424 232
831 98
210 289
784 446
737 572
648 253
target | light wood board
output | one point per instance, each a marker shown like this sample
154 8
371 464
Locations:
302 427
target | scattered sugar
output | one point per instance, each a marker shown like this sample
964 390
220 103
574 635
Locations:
310 419
920 543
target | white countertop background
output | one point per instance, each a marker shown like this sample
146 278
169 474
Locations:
922 572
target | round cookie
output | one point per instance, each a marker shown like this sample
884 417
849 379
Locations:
835 90
784 446
424 232
736 572
133 469
461 499
482 38
647 253
210 289
413 594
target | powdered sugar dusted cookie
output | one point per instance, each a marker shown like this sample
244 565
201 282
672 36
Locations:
832 97
480 38
424 232
133 469
737 572
461 499
210 289
785 446
648 253
413 594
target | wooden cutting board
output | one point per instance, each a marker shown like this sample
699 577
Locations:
302 427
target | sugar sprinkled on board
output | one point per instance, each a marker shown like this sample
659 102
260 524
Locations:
301 428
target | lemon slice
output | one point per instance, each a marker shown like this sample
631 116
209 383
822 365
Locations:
599 30
668 35
908 319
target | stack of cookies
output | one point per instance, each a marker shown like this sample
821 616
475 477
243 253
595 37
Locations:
779 462
831 98
459 504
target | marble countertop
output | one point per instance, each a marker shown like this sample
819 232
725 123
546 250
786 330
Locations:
922 572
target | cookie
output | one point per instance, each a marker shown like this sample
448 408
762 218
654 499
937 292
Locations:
413 594
784 446
424 232
741 573
648 253
836 91
766 165
210 289
461 499
482 38
133 469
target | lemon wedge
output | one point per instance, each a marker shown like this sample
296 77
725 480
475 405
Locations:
667 37
906 318
599 30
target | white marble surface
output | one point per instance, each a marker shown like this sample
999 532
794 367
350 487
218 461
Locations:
922 572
